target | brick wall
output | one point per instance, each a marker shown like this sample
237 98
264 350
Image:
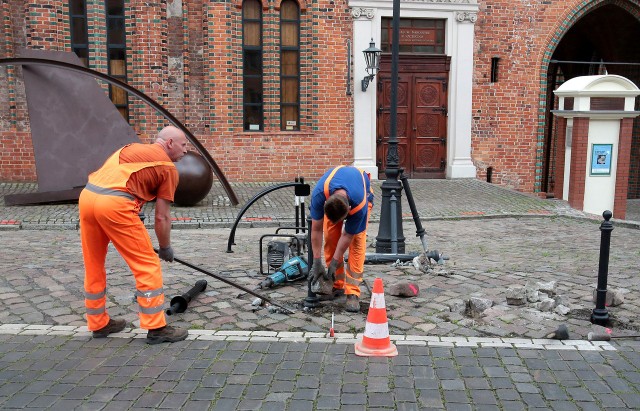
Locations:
186 55
505 128
16 150
622 168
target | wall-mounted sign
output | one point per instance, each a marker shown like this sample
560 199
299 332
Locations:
601 159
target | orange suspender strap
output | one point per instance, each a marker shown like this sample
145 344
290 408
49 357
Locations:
364 199
326 182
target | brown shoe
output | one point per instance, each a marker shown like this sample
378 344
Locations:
353 304
113 326
166 334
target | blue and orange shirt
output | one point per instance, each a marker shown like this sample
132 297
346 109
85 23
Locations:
358 187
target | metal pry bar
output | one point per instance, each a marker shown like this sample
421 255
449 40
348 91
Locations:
224 280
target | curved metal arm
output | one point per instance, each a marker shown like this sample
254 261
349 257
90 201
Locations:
232 234
25 61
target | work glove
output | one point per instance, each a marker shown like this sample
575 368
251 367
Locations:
166 254
317 270
333 267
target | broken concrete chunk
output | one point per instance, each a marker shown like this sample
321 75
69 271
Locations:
532 294
547 305
562 309
613 297
403 289
477 305
548 288
516 296
457 306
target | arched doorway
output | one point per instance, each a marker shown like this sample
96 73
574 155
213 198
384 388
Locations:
603 40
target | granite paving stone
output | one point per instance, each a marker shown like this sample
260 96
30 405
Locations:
511 239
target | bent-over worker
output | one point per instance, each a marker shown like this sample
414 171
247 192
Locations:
342 198
109 207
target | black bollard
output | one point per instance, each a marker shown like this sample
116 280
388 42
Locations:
312 300
179 303
600 315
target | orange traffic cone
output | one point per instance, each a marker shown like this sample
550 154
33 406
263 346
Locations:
375 341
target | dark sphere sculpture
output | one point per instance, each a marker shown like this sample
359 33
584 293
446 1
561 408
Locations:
196 179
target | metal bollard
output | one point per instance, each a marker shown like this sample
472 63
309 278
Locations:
179 303
600 315
393 207
312 300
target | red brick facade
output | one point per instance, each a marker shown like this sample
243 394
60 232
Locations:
187 56
189 60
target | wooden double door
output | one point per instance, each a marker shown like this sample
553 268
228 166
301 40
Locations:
421 115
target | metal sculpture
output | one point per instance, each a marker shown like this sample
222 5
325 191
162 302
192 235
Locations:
70 191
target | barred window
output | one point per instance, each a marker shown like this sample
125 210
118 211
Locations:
252 68
116 45
116 53
289 65
79 31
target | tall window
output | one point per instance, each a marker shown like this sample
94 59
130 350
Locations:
253 106
79 33
116 57
289 65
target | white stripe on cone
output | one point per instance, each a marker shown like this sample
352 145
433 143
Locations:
376 331
377 301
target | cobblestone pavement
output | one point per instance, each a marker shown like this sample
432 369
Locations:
244 357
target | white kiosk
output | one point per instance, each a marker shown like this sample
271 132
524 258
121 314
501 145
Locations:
594 142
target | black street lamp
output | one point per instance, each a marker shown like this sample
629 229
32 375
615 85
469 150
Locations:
390 237
372 58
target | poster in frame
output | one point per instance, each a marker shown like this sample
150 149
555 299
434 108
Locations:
601 159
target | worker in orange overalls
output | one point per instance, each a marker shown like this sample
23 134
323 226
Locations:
341 203
109 207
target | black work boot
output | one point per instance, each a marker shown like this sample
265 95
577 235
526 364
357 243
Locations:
166 334
113 326
353 304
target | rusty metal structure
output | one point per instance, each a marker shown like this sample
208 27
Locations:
75 126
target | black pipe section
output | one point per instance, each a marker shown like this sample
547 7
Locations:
297 202
232 234
25 61
312 300
179 303
394 222
420 232
224 280
381 258
600 315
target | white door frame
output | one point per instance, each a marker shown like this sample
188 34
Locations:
460 16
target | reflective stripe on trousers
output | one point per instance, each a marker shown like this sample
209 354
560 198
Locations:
95 305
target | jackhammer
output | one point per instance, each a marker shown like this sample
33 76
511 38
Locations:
292 270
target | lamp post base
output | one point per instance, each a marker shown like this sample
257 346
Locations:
385 235
600 316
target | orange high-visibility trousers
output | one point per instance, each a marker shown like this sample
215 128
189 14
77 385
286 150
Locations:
350 275
112 218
